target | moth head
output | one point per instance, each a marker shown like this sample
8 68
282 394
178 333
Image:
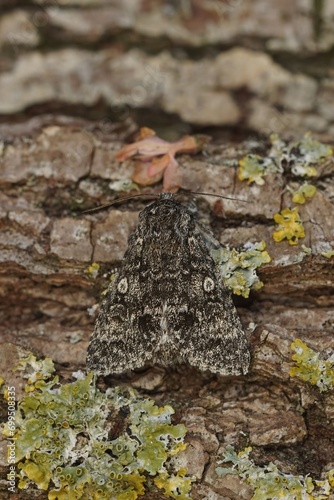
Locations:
166 215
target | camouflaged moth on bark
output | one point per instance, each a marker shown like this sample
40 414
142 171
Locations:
168 303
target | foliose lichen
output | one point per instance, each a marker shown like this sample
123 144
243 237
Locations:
328 254
270 482
310 367
238 269
306 154
123 185
93 270
80 443
290 226
303 192
252 168
299 157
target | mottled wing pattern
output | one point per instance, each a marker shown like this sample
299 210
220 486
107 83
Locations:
167 303
210 332
124 337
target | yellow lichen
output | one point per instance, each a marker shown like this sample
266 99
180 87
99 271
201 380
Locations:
252 169
174 486
37 473
93 269
300 157
303 192
310 367
35 369
328 254
64 443
290 226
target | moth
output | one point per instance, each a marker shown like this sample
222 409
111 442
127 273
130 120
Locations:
168 303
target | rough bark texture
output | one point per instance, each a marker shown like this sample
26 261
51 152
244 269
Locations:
248 69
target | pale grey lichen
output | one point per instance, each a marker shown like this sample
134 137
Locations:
300 157
238 269
123 185
269 482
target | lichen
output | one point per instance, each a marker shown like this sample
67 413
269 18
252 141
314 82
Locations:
252 168
123 185
35 370
174 486
93 270
290 226
303 192
80 443
310 367
270 482
300 158
328 254
306 154
306 250
238 269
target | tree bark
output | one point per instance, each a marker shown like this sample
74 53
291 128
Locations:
71 95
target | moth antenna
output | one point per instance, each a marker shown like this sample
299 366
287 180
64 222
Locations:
218 196
119 200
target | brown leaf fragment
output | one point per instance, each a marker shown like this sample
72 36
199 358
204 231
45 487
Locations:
157 158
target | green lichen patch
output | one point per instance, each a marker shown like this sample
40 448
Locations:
238 269
303 192
270 483
307 154
93 270
35 369
290 226
328 254
310 367
173 485
300 158
80 443
252 168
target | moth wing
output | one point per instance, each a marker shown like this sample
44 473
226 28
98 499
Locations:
215 339
207 326
124 335
200 322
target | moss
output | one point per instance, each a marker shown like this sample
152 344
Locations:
238 269
311 368
270 482
290 226
67 440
